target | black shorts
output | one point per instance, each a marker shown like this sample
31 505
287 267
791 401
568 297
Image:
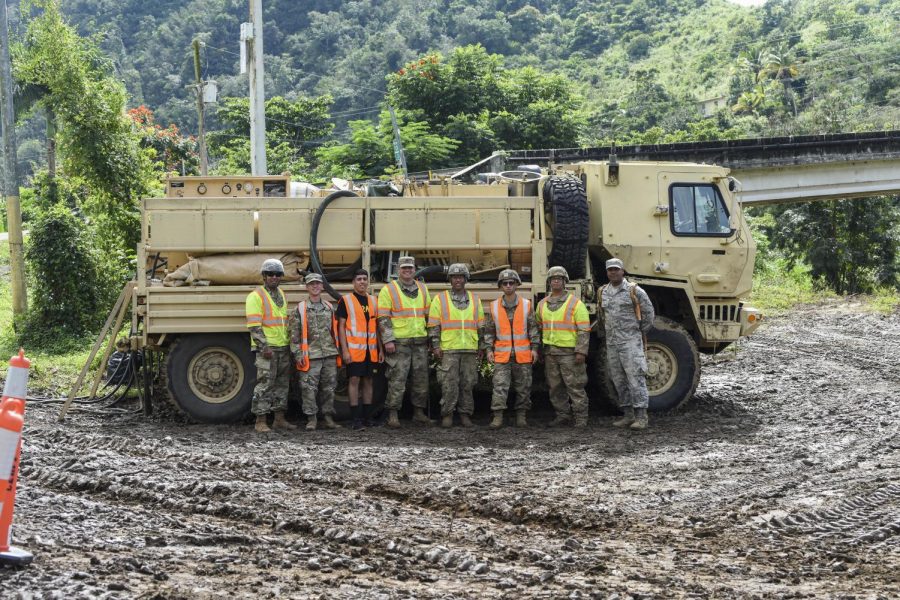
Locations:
361 369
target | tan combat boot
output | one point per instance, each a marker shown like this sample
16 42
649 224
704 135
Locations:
419 416
521 421
279 422
393 419
311 423
640 419
497 423
560 420
627 419
262 425
465 420
447 421
330 424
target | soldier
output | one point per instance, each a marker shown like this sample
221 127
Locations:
357 315
455 322
266 309
565 330
628 316
314 344
402 313
512 341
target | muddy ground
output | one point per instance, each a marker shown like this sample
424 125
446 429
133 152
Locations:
780 479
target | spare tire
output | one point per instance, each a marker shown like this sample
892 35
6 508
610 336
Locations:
570 224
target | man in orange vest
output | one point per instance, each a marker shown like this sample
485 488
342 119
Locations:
512 340
266 311
314 344
455 326
357 315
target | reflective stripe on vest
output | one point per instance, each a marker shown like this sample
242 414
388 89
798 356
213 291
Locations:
511 337
558 326
273 318
408 314
459 328
303 357
360 338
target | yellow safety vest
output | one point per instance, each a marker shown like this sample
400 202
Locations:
560 327
459 328
407 314
263 312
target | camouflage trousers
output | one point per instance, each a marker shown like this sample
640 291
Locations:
567 380
408 363
457 373
317 386
517 375
626 365
273 378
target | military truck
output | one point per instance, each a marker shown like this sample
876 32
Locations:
676 226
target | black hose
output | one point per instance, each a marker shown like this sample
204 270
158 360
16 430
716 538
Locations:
313 235
430 269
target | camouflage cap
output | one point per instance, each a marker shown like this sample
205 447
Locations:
311 277
615 263
406 261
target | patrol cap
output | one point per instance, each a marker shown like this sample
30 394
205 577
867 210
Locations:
406 261
615 263
310 277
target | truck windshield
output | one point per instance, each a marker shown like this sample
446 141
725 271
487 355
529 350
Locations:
697 209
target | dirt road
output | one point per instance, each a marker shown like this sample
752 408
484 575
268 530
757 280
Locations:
780 479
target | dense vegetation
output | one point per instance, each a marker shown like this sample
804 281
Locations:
112 84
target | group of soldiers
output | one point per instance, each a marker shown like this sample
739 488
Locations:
404 323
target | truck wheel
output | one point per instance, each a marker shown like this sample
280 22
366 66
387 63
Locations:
673 365
211 376
571 224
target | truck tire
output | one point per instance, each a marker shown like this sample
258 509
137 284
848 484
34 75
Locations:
570 224
673 365
211 376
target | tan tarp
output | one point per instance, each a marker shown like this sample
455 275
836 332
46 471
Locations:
232 269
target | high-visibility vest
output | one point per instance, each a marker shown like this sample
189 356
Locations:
560 327
263 312
360 337
303 357
459 328
407 314
511 337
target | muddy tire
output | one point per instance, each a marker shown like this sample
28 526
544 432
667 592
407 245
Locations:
673 365
570 224
211 376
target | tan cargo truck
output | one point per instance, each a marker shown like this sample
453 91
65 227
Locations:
676 226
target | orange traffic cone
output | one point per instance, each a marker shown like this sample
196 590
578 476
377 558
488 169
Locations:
12 419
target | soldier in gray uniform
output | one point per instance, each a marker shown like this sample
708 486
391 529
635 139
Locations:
512 341
628 316
313 342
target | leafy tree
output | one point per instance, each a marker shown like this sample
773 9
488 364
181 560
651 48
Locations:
173 151
294 129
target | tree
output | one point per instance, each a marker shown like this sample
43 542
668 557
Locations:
172 151
294 129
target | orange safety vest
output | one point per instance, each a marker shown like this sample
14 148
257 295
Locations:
511 337
303 358
358 337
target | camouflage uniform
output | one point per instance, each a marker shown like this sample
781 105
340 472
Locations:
567 378
511 373
318 383
626 362
273 375
457 372
409 362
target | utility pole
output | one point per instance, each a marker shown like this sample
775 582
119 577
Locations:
204 159
11 180
257 91
399 154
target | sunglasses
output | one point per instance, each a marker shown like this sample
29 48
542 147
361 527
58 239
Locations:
506 283
272 274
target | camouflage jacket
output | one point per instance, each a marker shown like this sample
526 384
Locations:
619 317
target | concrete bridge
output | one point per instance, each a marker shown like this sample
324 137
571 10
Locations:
770 170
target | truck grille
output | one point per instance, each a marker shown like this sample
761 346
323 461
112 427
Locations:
720 312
